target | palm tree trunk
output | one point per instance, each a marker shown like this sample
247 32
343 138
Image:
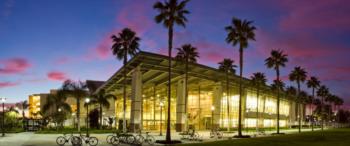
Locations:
78 113
322 115
257 109
299 107
124 91
186 90
101 116
240 91
312 111
278 102
228 102
168 136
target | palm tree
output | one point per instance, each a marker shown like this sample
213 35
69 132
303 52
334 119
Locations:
171 13
258 79
313 83
187 54
240 32
323 93
101 98
56 104
275 61
78 90
331 99
299 76
126 43
227 66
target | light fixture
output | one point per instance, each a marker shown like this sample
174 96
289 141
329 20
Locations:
161 104
59 109
212 108
3 99
87 100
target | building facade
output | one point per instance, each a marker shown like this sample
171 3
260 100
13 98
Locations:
209 101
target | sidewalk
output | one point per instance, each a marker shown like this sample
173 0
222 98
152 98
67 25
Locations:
31 139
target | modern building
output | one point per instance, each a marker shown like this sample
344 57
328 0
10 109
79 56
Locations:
147 79
209 102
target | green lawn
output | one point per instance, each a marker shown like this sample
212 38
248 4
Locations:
334 137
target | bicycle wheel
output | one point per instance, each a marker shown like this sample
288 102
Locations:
61 141
115 140
76 140
93 141
109 139
130 139
220 135
150 140
139 139
212 134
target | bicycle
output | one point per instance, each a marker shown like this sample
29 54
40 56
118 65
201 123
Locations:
62 140
92 141
216 133
126 138
148 138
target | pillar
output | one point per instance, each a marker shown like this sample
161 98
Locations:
136 100
180 105
217 97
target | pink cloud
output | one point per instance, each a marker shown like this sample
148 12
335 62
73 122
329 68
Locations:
137 19
8 84
57 76
14 66
320 14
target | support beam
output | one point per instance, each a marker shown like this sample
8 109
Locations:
217 97
136 100
180 105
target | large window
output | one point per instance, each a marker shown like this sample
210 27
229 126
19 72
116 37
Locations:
270 105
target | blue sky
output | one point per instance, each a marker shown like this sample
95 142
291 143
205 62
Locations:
44 42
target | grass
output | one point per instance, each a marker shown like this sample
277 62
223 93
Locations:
333 137
72 130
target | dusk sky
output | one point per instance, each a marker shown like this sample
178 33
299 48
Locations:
43 43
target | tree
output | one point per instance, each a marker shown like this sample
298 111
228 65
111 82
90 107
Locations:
124 45
24 105
277 60
187 54
299 76
331 99
56 107
240 32
323 93
227 66
171 13
101 98
78 90
313 83
258 79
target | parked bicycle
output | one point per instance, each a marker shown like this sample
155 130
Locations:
62 140
147 139
79 140
216 134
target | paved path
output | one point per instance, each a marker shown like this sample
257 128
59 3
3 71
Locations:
31 139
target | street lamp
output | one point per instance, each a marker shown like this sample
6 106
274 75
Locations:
212 117
87 100
3 99
161 109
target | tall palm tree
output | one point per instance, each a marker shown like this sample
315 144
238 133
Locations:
258 79
331 99
56 103
126 43
78 90
24 105
227 66
313 83
323 92
299 76
171 13
101 98
187 54
277 60
240 32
